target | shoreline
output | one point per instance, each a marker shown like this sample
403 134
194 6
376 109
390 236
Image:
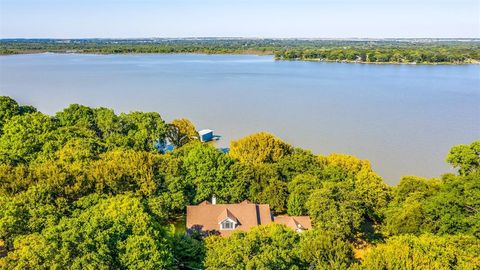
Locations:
381 63
254 53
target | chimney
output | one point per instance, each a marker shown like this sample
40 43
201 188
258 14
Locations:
214 199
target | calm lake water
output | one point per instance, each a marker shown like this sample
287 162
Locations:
403 118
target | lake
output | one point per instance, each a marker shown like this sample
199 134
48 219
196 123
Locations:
403 118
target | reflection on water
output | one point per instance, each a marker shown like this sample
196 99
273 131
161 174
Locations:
402 118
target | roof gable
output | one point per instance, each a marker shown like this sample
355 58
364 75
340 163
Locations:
226 214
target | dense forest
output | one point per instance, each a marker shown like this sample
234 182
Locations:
88 188
401 54
419 51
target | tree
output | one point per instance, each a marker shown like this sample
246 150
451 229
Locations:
107 122
405 218
24 136
8 109
274 193
120 171
79 150
59 137
270 246
13 221
448 206
13 179
27 109
265 187
335 208
115 233
244 177
65 170
142 131
77 115
29 212
412 184
465 157
188 250
259 148
181 131
299 162
346 165
374 193
209 172
424 252
33 252
406 214
455 208
300 189
322 250
363 181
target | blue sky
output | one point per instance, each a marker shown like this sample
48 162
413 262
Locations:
239 18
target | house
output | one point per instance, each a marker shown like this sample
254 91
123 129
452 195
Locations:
223 219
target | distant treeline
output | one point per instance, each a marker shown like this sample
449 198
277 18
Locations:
424 51
411 53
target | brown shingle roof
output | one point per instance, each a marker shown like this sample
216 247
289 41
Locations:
294 222
206 217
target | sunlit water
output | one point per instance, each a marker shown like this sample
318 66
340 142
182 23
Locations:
403 118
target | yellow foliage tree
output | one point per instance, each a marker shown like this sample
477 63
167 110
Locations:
181 131
261 147
348 163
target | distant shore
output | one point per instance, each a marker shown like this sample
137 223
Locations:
258 53
470 62
414 52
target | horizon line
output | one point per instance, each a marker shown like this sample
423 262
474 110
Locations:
240 37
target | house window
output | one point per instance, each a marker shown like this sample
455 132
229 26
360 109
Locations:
227 225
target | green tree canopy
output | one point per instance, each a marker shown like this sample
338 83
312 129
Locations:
425 252
259 148
8 108
116 233
142 130
264 247
299 162
209 172
336 208
88 189
24 136
446 206
466 158
77 114
321 250
181 131
300 189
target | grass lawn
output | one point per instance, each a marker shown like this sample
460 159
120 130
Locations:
180 224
